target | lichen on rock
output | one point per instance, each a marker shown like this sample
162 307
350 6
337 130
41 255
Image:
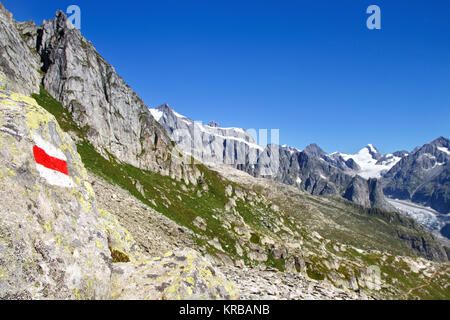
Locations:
47 233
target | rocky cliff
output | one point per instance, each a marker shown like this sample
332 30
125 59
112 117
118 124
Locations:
367 193
99 100
19 63
423 176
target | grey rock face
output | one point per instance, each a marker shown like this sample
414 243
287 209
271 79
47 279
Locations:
115 119
352 165
208 143
78 77
316 175
423 176
367 193
18 63
315 150
358 191
377 198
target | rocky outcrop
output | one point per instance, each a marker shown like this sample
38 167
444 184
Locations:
423 176
54 241
116 121
50 246
367 193
358 191
19 63
264 284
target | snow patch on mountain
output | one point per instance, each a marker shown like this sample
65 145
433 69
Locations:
372 164
210 142
445 150
156 114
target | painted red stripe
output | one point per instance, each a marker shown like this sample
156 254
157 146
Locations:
49 162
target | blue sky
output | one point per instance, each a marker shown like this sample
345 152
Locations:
309 68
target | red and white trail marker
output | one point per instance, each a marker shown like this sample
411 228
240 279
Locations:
51 163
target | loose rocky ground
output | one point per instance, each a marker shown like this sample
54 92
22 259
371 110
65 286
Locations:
155 233
262 283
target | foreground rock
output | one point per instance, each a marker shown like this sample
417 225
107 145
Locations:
267 284
55 243
177 275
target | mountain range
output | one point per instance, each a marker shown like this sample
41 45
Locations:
420 176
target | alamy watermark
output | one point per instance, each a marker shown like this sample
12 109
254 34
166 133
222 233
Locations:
374 20
75 15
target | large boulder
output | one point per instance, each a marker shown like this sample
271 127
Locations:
50 246
54 241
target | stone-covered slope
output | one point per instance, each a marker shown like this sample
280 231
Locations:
54 241
235 224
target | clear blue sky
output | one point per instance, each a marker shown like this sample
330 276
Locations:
309 68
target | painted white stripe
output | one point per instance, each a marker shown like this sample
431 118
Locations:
50 149
55 178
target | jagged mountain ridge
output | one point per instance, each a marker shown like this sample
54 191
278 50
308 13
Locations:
208 143
312 169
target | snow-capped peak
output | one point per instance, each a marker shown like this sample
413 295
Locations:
372 164
371 150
